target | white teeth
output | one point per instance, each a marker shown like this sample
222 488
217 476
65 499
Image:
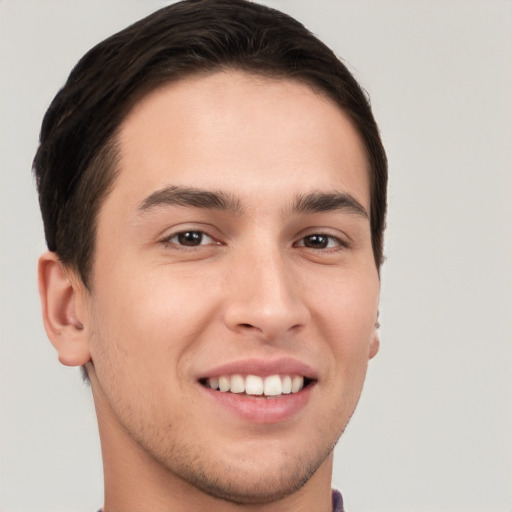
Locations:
254 385
273 385
224 383
297 383
237 384
286 385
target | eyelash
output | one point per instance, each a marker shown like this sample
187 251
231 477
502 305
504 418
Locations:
333 243
329 239
197 233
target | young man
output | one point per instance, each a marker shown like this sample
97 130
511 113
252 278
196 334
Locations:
213 189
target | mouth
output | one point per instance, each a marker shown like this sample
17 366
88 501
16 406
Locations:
260 391
266 387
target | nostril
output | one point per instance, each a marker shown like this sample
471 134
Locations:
247 326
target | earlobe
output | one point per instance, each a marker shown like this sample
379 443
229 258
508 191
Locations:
374 345
375 342
60 302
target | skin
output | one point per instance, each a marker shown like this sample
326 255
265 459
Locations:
160 314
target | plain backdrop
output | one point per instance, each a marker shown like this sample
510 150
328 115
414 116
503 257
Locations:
433 429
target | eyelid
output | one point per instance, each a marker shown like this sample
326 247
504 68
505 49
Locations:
167 238
340 242
343 240
202 233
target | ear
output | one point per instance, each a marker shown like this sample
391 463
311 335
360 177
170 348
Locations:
62 308
375 342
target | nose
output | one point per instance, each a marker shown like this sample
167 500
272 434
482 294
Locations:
264 297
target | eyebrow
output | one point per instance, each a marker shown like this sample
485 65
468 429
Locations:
190 196
317 202
314 202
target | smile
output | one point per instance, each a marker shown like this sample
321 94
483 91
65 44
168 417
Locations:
270 386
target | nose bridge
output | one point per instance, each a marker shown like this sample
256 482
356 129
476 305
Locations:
266 297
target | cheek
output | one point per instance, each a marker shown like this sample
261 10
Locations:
346 313
348 302
146 324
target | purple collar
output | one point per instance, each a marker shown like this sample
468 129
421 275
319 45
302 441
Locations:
337 501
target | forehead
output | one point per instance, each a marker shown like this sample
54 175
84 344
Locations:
239 130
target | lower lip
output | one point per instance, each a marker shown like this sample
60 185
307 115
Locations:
259 409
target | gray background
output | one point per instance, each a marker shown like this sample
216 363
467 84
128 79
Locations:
433 429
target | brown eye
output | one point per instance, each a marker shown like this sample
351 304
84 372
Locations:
190 238
321 241
316 241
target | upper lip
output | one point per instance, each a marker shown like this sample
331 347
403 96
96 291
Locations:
262 368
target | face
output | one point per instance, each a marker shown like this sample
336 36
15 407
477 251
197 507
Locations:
234 290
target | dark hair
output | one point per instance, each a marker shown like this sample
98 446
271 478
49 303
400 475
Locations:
75 164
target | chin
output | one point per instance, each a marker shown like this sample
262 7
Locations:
256 480
246 489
